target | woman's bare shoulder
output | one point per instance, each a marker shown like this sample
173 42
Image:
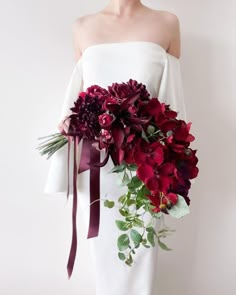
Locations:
84 20
166 15
82 28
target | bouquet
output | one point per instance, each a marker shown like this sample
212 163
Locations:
150 149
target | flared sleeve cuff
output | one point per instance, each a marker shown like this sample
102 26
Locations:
57 178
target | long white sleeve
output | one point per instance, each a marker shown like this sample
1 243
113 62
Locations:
171 88
57 180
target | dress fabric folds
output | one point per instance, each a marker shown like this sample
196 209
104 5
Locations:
104 64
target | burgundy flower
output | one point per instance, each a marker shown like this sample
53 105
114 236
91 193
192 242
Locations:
124 90
105 139
84 119
154 108
96 91
182 132
149 153
105 121
156 178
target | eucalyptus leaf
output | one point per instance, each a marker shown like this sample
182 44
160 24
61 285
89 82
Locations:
122 225
124 212
129 260
109 204
138 222
135 236
123 242
118 168
150 129
180 209
125 179
121 256
146 246
144 136
150 237
163 246
122 199
135 183
150 229
132 167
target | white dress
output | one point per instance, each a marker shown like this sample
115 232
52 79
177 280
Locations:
103 64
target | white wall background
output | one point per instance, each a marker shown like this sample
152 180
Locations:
36 62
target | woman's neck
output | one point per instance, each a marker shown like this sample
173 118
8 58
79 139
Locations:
123 8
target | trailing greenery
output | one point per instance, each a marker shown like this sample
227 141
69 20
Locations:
133 206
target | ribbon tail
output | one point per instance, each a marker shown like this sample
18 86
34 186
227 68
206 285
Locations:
94 194
73 248
85 155
68 168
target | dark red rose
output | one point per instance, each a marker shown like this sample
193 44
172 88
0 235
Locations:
105 121
105 139
96 90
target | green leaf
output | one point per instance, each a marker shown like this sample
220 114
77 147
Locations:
125 179
150 129
122 225
180 209
121 256
132 167
123 242
169 133
150 237
165 230
135 236
138 222
122 199
163 246
130 202
144 241
109 204
124 212
150 229
137 245
118 168
146 246
129 260
135 183
144 136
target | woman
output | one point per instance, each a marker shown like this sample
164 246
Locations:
125 40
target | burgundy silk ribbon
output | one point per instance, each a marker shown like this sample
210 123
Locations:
89 156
